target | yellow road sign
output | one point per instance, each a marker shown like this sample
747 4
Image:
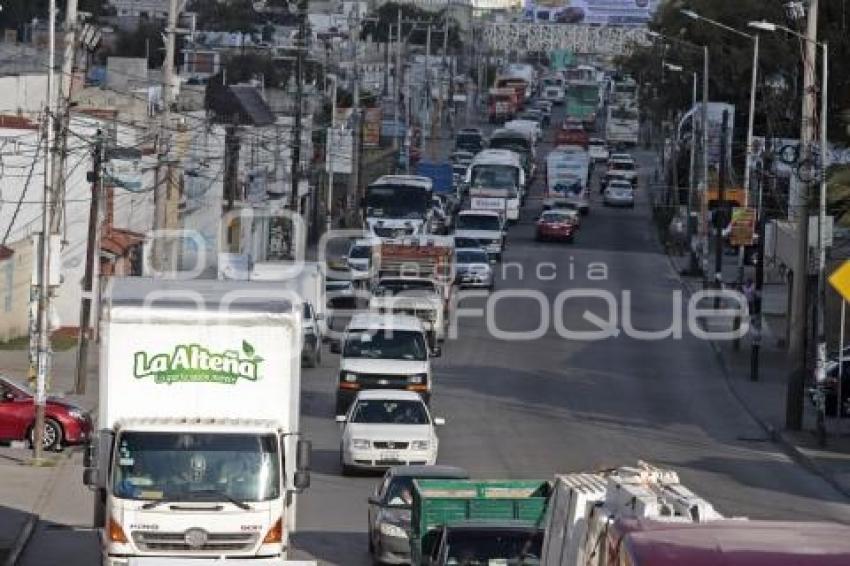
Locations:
840 280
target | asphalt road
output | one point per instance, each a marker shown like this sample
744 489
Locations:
532 408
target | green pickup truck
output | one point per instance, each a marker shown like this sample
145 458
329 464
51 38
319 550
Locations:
478 522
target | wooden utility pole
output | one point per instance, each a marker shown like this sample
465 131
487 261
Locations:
95 178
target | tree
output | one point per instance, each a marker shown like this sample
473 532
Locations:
387 14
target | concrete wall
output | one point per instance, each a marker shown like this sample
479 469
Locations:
23 94
15 276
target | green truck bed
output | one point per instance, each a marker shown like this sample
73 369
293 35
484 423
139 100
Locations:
452 502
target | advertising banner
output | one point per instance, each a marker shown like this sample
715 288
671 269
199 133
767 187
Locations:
596 12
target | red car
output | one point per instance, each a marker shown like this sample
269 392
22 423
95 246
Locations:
64 423
556 225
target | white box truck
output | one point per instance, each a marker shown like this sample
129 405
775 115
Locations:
198 456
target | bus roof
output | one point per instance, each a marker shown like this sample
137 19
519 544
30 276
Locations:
412 180
497 157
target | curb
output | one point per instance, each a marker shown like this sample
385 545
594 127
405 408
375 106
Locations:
21 540
776 436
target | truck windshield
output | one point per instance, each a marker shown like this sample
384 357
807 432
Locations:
495 176
388 287
389 411
514 143
472 222
153 466
623 114
386 345
397 201
360 252
482 548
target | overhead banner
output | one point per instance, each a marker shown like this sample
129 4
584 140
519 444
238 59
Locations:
594 12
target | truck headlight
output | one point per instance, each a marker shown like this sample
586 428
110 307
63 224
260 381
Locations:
390 530
420 445
349 377
360 444
417 379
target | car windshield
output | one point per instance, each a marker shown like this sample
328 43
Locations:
461 242
472 256
621 186
389 411
496 176
494 547
623 165
397 201
468 139
386 345
360 252
473 222
172 466
555 217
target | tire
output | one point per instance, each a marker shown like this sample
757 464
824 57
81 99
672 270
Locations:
53 435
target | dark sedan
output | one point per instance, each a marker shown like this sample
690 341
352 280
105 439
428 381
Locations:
64 422
389 510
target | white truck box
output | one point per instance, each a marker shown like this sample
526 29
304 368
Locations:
201 362
306 279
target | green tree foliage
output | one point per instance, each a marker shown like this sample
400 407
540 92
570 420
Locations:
387 14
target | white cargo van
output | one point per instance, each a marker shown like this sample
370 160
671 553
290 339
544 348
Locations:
198 454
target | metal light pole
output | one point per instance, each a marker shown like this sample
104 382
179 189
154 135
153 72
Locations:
330 197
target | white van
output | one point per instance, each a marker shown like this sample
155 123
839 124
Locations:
383 351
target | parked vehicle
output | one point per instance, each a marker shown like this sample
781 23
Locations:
386 428
390 509
64 422
199 411
472 266
477 521
557 225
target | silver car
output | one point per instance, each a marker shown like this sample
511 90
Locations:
619 193
473 269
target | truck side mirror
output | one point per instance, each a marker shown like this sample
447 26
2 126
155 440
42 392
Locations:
90 477
335 347
301 480
303 450
436 352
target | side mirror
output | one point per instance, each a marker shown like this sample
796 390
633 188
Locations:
8 396
303 451
375 501
436 352
343 258
341 419
301 480
90 477
319 316
335 347
439 421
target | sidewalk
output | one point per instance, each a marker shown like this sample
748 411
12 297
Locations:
764 399
27 492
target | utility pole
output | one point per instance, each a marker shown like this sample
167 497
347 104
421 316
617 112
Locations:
354 177
692 178
720 214
397 82
43 366
797 347
704 199
756 319
162 256
63 106
295 174
95 177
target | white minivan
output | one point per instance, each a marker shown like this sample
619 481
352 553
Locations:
383 351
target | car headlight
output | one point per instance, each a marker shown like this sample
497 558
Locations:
417 379
390 530
77 414
420 445
360 444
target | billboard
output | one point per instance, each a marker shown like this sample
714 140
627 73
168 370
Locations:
594 12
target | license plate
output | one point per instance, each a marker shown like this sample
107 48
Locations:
389 456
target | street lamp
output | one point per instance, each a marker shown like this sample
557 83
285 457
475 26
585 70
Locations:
704 182
824 157
753 85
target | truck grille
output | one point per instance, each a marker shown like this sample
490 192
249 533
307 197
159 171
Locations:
155 541
383 232
379 381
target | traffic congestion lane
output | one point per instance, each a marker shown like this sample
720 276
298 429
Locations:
532 408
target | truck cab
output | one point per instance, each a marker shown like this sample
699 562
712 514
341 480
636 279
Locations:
383 351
